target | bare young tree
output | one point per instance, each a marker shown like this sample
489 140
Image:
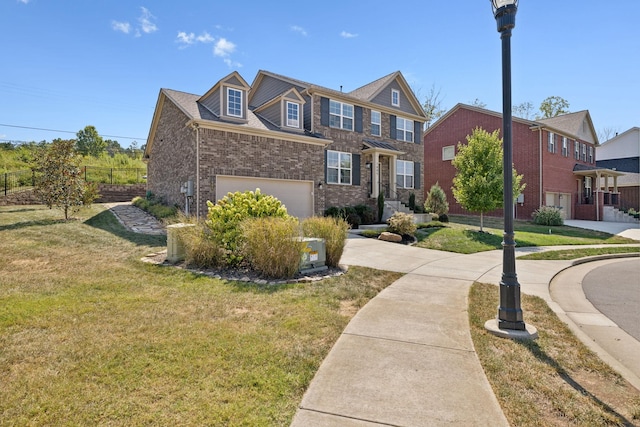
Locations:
433 106
607 133
523 110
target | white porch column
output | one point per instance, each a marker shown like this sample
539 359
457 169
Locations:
392 177
375 187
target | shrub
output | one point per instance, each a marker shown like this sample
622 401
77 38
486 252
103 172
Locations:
367 216
380 206
412 201
332 211
547 215
199 247
333 231
402 223
224 218
272 245
443 218
155 207
436 200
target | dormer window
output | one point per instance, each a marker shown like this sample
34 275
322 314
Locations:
395 98
293 114
234 102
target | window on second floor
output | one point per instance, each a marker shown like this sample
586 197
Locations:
584 152
576 151
590 154
376 122
338 167
234 102
293 114
404 174
340 115
565 146
395 98
551 143
404 129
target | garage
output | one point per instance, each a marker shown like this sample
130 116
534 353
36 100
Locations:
297 196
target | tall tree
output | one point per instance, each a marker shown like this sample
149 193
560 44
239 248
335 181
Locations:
478 184
113 147
59 180
433 106
89 142
524 110
553 106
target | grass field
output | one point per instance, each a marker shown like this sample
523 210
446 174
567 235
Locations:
91 335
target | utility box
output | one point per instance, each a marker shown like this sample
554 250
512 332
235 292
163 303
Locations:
175 247
314 255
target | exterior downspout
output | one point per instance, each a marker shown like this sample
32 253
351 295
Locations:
540 166
197 128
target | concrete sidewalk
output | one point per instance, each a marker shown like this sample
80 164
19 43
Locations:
406 358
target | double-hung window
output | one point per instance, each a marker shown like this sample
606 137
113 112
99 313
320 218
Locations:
590 154
565 146
395 98
340 115
293 114
376 122
551 143
234 102
576 151
338 167
404 129
404 174
584 152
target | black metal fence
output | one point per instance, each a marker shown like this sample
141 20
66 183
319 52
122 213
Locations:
114 175
11 182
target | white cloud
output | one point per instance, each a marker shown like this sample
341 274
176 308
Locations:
223 48
299 29
146 24
347 35
123 27
24 1
187 39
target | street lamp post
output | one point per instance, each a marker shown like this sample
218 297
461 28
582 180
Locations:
509 310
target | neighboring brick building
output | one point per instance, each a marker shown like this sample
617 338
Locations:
556 157
310 146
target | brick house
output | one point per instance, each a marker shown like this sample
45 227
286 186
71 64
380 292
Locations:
622 153
555 155
310 146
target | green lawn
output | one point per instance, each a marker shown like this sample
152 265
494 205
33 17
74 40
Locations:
462 235
91 335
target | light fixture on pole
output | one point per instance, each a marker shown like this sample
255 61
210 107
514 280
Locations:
509 321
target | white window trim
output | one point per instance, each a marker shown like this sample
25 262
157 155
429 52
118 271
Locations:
229 113
289 122
340 168
551 143
404 130
401 183
576 150
590 154
395 97
565 146
584 152
342 115
379 123
448 152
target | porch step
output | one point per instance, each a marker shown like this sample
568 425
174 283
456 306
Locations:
393 206
613 214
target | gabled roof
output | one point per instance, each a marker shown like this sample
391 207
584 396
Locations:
369 91
573 124
460 106
234 79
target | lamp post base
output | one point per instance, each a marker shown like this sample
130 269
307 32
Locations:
529 333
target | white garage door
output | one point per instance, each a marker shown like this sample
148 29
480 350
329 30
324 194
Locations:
297 196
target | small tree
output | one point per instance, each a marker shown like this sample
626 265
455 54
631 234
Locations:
554 106
436 201
478 184
89 142
59 180
380 206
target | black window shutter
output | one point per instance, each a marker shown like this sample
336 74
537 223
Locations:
358 119
392 127
325 166
417 132
416 175
324 111
355 169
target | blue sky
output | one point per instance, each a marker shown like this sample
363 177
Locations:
71 63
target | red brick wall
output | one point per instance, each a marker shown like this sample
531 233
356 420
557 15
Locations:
557 169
